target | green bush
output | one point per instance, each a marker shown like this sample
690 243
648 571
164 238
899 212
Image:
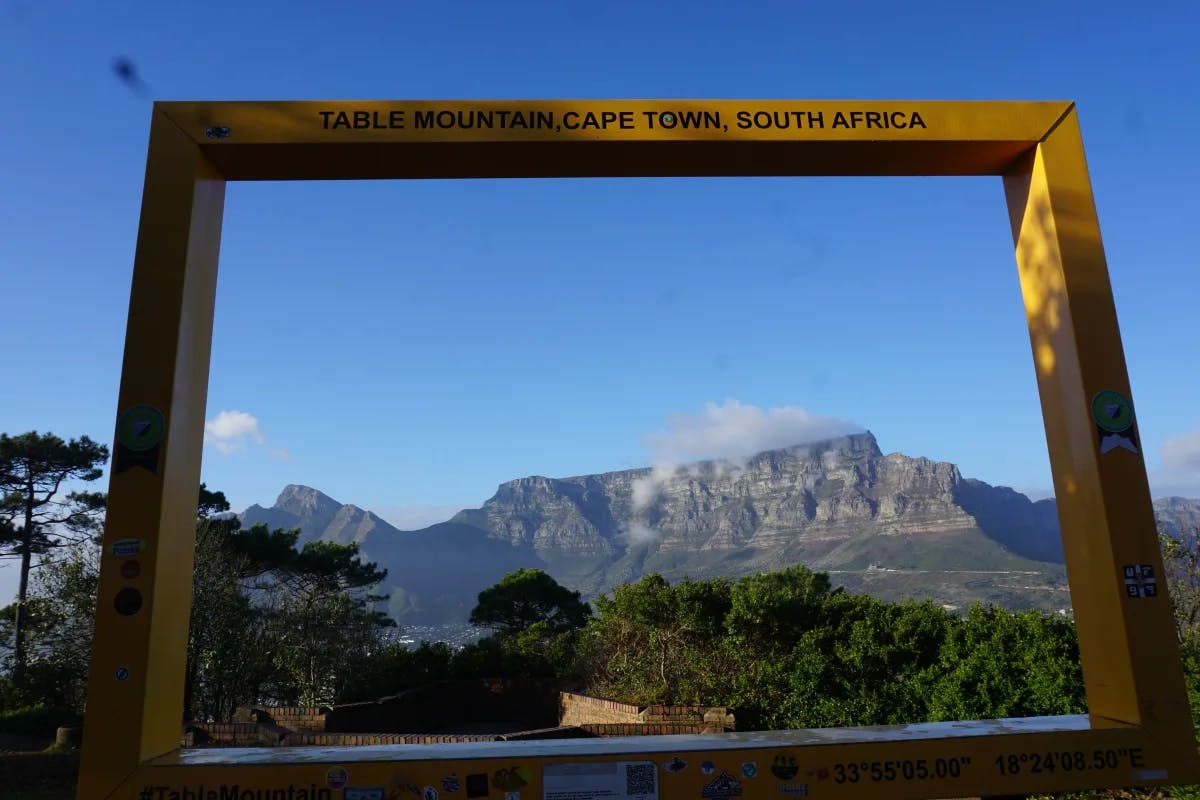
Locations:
37 720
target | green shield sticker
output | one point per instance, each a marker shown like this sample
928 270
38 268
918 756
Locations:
141 428
1112 411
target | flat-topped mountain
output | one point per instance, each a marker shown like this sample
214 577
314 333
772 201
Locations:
892 525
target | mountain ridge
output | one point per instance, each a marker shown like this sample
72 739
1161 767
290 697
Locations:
891 525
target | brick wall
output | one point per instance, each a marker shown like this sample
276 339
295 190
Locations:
295 718
560 732
526 704
672 714
420 716
579 709
643 729
234 734
715 719
350 739
247 734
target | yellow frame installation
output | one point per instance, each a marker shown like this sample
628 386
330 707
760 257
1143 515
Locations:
1139 729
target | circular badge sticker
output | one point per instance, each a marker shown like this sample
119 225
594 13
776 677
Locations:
140 428
1112 411
128 602
336 777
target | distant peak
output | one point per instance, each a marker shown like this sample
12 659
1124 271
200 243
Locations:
304 500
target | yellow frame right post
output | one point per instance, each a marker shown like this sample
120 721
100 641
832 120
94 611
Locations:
1103 498
1138 731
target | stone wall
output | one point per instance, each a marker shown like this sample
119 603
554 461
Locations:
580 709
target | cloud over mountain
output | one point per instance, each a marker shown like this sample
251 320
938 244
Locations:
229 431
734 431
731 432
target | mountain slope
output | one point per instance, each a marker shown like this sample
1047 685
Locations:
888 524
318 516
1177 516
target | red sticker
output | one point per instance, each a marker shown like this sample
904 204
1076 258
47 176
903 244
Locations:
131 569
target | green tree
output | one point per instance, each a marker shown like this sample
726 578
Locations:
1181 564
324 620
35 514
525 597
230 638
657 643
60 609
1181 561
768 614
1000 663
394 668
210 503
770 610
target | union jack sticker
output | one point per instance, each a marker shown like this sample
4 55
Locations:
1139 581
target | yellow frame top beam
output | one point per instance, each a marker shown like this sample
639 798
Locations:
531 138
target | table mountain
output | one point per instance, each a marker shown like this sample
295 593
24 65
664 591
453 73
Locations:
891 525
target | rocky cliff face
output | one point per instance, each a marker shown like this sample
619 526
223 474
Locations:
822 493
890 525
1177 516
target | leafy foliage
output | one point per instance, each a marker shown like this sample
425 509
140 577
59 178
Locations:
525 597
228 640
787 652
1181 560
36 516
273 623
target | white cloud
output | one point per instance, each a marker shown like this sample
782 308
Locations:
734 432
640 533
1180 471
1182 452
731 433
229 431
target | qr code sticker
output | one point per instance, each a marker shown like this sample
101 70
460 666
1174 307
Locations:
640 779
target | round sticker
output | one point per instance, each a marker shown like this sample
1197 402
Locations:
336 777
140 428
131 569
128 602
784 767
1112 411
122 673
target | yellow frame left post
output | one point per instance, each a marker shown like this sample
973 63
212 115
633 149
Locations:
138 659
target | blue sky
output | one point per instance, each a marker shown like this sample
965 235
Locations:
408 346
